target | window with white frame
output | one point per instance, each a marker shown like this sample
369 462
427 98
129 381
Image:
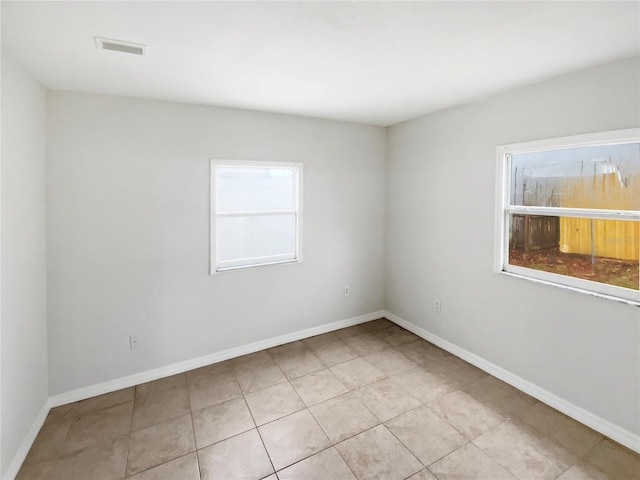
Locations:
256 210
569 212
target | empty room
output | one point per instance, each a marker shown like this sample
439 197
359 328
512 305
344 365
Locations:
320 240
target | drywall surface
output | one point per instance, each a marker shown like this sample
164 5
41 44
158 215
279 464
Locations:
440 241
24 293
128 233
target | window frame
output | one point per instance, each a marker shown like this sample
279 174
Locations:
504 209
217 266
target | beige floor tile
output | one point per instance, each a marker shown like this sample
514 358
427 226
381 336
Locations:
500 397
157 405
357 373
253 376
239 457
456 372
334 352
366 343
422 352
614 460
378 324
318 386
107 400
49 442
274 402
221 421
252 360
574 436
469 462
425 434
524 453
293 438
106 461
584 471
297 363
343 417
325 465
183 468
396 335
160 443
421 384
465 414
37 471
62 413
99 426
317 340
390 361
423 475
166 383
287 348
386 399
377 455
212 370
348 332
207 390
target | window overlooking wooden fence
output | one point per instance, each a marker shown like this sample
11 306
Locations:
569 212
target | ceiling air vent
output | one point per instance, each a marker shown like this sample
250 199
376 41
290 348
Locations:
120 46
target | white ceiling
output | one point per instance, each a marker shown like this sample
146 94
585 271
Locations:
371 62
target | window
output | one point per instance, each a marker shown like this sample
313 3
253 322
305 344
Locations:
569 212
256 214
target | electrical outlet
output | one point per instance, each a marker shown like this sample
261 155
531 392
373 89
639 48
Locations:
134 343
347 291
438 305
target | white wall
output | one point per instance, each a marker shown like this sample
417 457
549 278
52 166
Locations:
24 293
128 233
440 235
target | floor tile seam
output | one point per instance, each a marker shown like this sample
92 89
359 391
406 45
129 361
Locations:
453 426
521 424
158 465
305 458
264 445
155 424
95 410
405 446
326 399
190 380
532 431
466 440
351 436
345 460
193 428
358 357
191 410
126 463
495 459
498 461
585 455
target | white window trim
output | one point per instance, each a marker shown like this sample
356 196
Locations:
216 266
503 209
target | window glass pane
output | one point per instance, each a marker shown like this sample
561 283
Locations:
246 189
255 236
603 177
604 251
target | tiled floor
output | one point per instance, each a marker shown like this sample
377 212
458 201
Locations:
371 401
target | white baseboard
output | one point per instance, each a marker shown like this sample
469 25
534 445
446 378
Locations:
180 367
611 430
18 459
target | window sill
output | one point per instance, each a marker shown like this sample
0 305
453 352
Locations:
625 301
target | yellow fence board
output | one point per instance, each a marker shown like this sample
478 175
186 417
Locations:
611 238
